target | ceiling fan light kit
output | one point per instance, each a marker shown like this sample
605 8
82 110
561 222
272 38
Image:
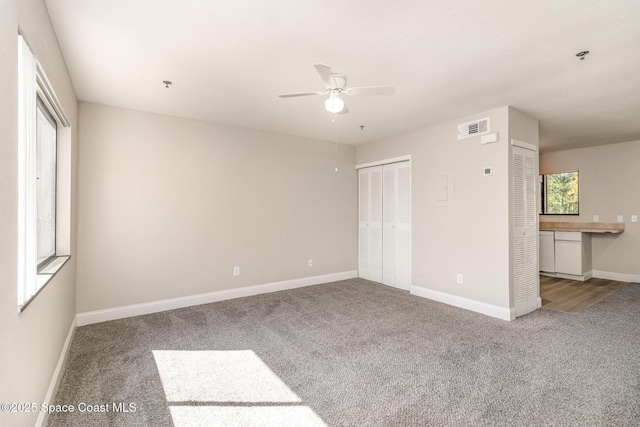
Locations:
334 104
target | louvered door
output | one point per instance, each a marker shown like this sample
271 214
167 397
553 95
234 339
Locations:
525 251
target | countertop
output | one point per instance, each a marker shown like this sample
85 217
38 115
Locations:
585 227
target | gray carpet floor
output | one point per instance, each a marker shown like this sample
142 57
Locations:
357 353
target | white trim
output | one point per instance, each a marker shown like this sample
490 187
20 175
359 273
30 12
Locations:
384 162
43 416
466 303
97 316
580 277
49 95
524 145
27 220
620 277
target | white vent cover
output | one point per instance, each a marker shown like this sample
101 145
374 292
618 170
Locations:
477 127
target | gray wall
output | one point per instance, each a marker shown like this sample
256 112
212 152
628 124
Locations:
31 342
470 235
167 207
609 186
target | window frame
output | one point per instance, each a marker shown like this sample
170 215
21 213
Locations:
35 93
544 193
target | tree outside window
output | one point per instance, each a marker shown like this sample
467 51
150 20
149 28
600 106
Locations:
561 193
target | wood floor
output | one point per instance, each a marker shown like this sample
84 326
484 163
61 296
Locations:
573 296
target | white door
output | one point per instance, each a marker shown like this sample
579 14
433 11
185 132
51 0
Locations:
526 287
385 224
389 207
396 238
370 223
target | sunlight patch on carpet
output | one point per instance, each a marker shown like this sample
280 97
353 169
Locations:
227 388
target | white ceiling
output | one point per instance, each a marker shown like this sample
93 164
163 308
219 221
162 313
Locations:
230 59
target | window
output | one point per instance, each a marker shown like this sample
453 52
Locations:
45 184
560 193
40 117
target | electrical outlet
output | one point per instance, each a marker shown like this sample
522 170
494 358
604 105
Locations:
634 218
459 279
310 263
620 218
236 271
596 218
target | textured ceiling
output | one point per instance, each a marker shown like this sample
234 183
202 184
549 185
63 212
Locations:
230 59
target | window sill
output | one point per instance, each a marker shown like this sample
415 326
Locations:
45 275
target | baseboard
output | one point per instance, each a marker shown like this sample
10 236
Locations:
97 316
466 303
43 417
620 277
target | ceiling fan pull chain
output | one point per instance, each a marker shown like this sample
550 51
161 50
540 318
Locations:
335 121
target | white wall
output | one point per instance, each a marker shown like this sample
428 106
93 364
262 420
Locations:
470 235
609 186
167 207
30 343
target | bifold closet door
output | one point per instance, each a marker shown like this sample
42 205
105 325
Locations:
525 237
396 219
370 223
384 247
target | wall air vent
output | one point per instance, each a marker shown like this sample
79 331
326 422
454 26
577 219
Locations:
477 127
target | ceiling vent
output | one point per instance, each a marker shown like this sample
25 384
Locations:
477 127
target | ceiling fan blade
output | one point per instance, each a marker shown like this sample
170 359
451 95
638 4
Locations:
326 74
370 90
293 95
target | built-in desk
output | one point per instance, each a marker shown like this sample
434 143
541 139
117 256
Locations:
565 247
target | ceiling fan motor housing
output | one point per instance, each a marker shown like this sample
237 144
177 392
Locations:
341 81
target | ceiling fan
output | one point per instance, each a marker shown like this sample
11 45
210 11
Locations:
335 85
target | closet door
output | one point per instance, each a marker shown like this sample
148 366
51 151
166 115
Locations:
370 223
403 226
396 236
389 203
384 240
525 250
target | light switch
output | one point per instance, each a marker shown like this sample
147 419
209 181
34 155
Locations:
620 218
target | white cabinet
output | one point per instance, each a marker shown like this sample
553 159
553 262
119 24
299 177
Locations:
565 254
547 253
573 255
568 257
